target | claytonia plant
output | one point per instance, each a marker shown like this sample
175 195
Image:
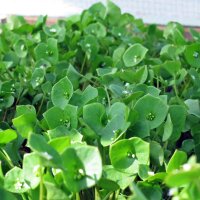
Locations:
99 106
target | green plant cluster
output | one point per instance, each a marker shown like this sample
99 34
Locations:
99 106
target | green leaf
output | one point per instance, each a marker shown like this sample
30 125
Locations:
192 54
82 98
193 107
83 167
177 159
96 29
7 136
182 177
122 179
60 144
93 115
62 92
49 155
134 55
127 154
7 195
168 129
172 67
37 77
56 116
152 110
20 48
156 153
117 123
14 181
32 169
47 51
25 121
178 116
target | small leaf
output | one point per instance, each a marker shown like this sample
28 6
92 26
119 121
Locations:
134 55
127 154
192 54
152 110
32 169
83 167
20 48
25 122
47 51
96 29
62 92
177 159
93 115
7 136
14 181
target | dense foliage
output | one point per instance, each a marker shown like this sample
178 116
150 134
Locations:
99 106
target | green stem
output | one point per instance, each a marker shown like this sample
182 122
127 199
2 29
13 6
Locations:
108 97
41 185
78 196
83 64
6 158
41 104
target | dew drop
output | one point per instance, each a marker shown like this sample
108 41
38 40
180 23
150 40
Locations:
88 45
125 92
119 34
195 54
135 58
22 47
46 155
127 84
129 154
53 30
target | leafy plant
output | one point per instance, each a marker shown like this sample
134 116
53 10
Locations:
98 106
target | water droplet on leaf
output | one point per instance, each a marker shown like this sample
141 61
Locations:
53 30
195 54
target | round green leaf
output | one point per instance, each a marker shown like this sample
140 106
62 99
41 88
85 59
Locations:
62 92
192 54
82 167
20 48
14 181
47 51
97 29
134 55
126 155
151 109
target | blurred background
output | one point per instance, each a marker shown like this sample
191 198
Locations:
187 12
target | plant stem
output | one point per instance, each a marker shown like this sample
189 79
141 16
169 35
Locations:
77 196
41 185
108 97
6 158
83 64
41 104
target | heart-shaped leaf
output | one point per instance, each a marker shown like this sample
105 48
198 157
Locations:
62 92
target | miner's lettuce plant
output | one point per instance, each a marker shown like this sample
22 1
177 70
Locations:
99 106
